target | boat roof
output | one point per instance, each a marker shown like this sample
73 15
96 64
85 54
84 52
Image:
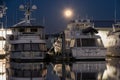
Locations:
24 24
98 23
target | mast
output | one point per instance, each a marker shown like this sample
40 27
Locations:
2 13
115 14
115 11
28 9
3 9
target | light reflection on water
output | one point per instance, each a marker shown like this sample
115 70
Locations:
87 70
76 71
82 70
112 71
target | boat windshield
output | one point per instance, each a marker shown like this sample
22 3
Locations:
88 42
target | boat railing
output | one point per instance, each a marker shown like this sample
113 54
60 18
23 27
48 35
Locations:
28 55
88 52
16 37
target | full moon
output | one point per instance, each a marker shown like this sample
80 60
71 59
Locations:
68 13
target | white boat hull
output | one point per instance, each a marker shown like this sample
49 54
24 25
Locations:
83 53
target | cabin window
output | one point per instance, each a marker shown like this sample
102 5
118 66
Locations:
72 43
33 30
77 28
21 30
87 42
16 47
67 43
27 47
42 47
12 47
27 30
78 42
20 46
35 47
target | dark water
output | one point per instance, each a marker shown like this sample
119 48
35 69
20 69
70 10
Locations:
108 69
83 70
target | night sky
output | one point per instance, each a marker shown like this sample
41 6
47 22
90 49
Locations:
50 12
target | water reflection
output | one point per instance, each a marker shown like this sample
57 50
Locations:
77 70
83 70
88 70
112 71
58 71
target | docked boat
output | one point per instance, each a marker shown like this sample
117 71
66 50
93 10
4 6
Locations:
27 48
113 39
3 33
2 55
82 40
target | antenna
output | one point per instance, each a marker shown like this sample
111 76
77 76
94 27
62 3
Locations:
43 20
87 19
28 9
3 9
113 28
115 11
